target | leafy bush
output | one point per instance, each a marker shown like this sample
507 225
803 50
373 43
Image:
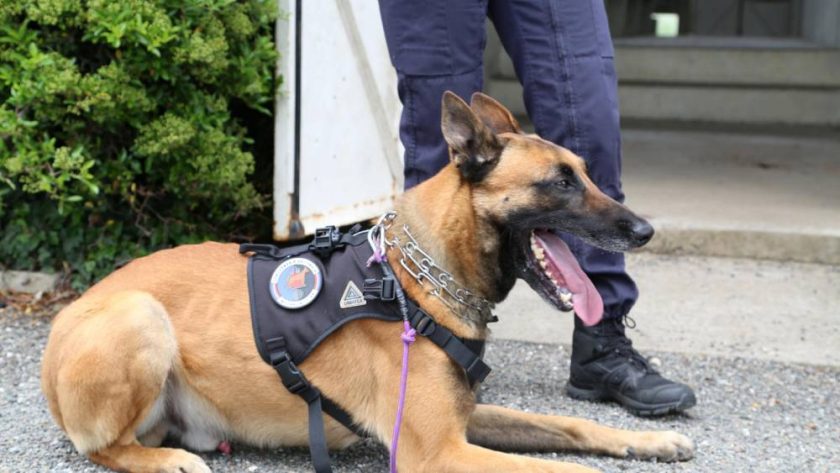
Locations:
119 130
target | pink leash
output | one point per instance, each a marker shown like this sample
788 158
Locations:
376 237
407 339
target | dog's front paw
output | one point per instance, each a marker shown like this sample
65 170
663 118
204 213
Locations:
668 446
182 461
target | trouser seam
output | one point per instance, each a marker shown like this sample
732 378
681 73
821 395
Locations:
411 150
567 80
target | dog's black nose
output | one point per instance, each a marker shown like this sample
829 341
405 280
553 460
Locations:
641 232
638 230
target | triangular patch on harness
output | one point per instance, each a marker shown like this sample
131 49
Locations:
352 296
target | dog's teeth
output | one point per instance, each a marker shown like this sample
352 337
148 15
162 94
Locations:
538 250
543 263
565 295
566 299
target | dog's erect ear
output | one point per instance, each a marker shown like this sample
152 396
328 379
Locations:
494 114
475 148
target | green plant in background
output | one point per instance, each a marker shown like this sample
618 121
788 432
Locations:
122 130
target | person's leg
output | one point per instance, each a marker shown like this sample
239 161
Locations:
563 55
435 45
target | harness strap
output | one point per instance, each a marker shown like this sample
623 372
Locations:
323 244
297 383
318 450
457 349
274 252
336 412
467 353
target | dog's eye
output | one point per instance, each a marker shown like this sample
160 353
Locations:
564 183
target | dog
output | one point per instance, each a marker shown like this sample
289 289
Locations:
163 346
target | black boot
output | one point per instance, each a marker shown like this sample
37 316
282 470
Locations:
606 367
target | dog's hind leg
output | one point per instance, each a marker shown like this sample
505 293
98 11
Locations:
104 370
505 429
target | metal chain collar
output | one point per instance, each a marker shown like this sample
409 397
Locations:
422 267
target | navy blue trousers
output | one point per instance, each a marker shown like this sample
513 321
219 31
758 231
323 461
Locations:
563 56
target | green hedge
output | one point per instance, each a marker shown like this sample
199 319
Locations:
126 126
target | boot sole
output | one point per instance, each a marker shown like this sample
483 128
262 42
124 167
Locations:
634 407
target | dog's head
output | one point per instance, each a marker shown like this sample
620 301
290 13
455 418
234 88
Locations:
529 188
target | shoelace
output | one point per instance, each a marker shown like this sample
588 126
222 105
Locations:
618 343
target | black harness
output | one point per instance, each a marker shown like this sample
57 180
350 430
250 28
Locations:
285 337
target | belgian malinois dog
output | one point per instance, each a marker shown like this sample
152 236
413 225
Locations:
164 346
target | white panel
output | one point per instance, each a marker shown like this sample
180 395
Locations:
284 121
350 165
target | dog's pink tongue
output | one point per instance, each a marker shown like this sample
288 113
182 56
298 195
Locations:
588 304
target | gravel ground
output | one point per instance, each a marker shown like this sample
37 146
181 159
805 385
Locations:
752 416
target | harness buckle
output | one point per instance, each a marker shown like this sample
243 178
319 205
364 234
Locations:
382 289
426 325
326 240
291 376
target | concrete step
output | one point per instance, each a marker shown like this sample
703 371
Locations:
717 61
695 64
736 194
705 305
700 103
693 82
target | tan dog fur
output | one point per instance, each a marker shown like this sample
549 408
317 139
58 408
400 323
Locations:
176 325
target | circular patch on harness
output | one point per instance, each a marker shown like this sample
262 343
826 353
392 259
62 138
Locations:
295 283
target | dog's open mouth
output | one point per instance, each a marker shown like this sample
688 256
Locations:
561 279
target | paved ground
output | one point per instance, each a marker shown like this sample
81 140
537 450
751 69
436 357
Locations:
753 416
735 180
736 194
719 306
